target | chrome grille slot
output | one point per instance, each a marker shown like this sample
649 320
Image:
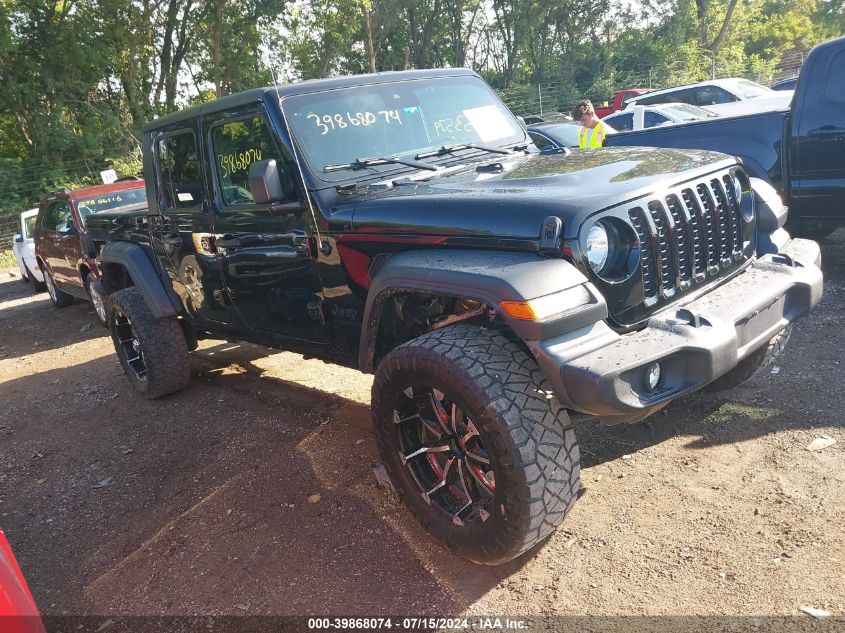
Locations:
711 221
640 224
690 235
664 248
698 227
736 216
724 214
683 239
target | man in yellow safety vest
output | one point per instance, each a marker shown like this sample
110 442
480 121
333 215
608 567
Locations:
594 129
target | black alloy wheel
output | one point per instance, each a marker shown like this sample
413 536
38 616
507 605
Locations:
129 346
153 351
444 453
475 442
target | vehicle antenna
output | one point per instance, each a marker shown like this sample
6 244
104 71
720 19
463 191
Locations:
296 159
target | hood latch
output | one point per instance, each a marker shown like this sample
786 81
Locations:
550 236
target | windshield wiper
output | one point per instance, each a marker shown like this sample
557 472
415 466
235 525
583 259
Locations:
360 163
450 149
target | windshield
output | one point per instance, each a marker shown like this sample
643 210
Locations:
399 119
750 90
29 226
686 112
113 201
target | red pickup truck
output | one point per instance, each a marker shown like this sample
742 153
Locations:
619 101
62 247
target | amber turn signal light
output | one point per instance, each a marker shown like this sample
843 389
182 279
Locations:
518 310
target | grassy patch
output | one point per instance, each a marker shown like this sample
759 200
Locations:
7 259
733 410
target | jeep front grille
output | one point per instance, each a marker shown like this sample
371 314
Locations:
692 234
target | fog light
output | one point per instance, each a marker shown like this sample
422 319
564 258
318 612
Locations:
653 376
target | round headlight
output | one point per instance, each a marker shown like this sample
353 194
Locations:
737 190
598 247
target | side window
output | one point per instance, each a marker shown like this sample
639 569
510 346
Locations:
236 146
179 170
653 119
677 95
540 141
622 122
834 88
58 217
711 95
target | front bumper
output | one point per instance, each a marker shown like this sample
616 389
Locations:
596 371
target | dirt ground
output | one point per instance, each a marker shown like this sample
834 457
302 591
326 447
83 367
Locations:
198 503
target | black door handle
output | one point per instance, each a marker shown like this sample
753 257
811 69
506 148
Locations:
172 240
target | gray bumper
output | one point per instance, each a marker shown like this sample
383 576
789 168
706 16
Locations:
599 372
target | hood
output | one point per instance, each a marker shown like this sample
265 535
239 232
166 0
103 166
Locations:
512 202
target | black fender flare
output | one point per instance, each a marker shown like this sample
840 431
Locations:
486 276
134 258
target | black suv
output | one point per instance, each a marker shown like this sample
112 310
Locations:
404 223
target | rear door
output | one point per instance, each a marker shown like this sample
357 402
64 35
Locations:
818 161
267 258
181 233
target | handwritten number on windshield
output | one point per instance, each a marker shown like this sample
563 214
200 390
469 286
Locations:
331 122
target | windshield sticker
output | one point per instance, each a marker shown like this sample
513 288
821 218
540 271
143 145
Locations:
489 123
238 161
331 122
184 197
95 202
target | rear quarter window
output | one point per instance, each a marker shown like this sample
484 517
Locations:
180 177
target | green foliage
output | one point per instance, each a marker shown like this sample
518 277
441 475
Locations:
80 77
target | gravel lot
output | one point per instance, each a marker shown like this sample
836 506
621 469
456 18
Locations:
199 503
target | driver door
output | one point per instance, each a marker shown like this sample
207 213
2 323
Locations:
268 258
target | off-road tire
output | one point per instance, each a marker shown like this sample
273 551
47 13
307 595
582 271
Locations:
162 342
59 298
749 366
525 431
92 286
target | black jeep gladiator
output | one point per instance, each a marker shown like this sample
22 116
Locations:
403 223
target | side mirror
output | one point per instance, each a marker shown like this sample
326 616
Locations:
265 183
18 238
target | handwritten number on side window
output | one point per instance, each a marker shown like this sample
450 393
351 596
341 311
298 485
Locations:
238 161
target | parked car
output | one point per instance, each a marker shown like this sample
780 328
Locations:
800 151
785 84
551 137
725 97
23 247
619 101
641 117
498 295
548 117
63 249
18 613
